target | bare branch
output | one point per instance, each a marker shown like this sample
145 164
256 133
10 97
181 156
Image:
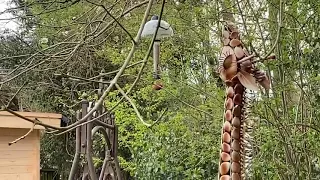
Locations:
120 72
115 19
146 57
193 107
22 137
17 92
75 78
132 104
34 121
278 32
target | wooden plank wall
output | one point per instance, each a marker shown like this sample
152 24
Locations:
20 161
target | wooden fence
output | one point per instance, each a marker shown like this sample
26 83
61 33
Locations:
49 174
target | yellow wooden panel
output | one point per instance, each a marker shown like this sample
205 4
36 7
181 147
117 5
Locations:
20 161
6 139
36 163
20 176
17 162
8 120
4 147
33 114
16 132
5 154
28 143
15 170
16 122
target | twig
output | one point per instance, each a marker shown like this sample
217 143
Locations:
115 71
35 121
82 124
187 103
146 57
132 104
115 19
245 59
102 123
120 72
278 32
159 118
24 136
8 104
305 125
40 52
44 61
124 13
76 78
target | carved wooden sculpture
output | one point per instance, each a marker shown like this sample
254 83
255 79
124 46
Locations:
237 70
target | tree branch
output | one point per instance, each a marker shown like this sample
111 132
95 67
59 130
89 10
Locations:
120 72
22 137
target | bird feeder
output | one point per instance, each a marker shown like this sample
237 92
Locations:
149 30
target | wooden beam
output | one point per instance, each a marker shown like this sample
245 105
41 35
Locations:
8 120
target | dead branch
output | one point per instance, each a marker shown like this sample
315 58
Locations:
24 136
34 121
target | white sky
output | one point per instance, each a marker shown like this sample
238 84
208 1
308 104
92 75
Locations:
4 22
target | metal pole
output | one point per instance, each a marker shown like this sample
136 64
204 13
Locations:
76 159
156 59
90 165
84 111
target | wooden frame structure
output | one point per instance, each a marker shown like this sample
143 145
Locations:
21 160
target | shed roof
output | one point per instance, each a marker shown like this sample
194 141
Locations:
8 120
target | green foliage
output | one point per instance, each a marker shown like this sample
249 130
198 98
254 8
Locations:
173 151
56 152
179 146
185 142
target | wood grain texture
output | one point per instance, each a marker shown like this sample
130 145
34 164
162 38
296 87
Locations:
8 120
33 114
20 161
20 176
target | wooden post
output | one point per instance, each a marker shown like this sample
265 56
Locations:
75 163
112 136
84 112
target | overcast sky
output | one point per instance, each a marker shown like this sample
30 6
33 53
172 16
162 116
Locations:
4 22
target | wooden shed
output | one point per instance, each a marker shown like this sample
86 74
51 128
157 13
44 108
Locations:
21 161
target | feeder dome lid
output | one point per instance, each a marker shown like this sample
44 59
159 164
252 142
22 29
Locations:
150 27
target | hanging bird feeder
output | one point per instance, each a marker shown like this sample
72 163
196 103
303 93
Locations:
149 30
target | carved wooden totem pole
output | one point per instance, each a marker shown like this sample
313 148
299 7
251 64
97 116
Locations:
237 69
